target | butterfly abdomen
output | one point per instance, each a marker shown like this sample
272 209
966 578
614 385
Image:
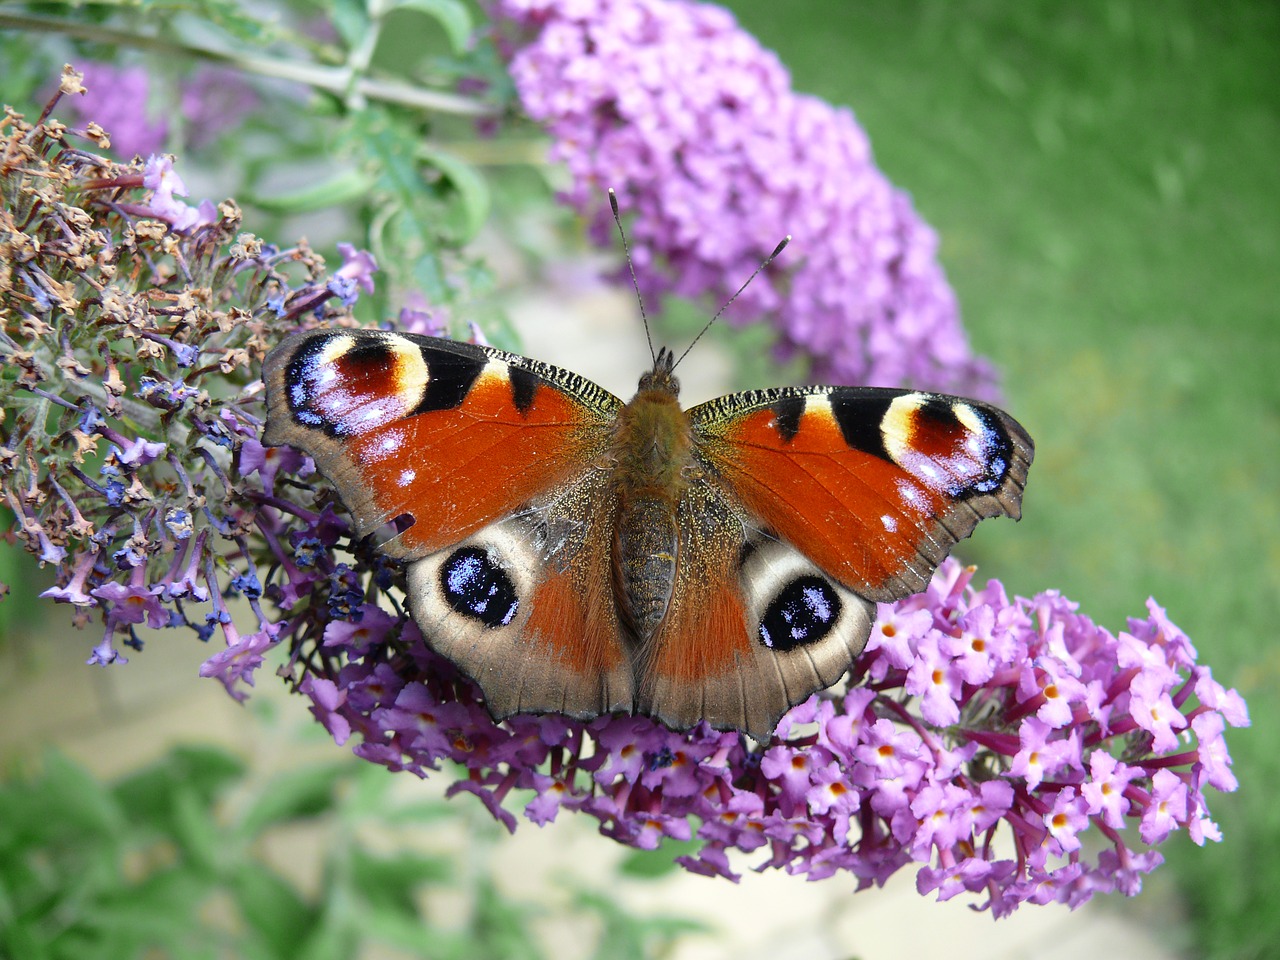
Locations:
653 449
646 548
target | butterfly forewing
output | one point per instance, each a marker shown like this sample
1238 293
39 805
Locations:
873 485
451 436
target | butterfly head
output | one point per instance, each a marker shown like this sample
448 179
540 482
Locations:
662 376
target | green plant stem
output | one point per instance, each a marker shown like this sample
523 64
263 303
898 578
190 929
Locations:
336 80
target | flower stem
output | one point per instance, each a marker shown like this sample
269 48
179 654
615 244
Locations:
336 80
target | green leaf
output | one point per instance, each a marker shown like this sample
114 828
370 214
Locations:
150 795
156 913
368 794
64 800
650 864
452 15
231 17
394 880
471 190
342 187
351 19
23 938
301 793
198 833
500 928
630 937
271 907
413 935
336 936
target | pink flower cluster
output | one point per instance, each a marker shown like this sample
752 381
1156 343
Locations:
715 159
980 738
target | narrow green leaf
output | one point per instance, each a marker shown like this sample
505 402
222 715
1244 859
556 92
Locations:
198 833
272 907
631 937
368 795
394 880
471 190
335 937
452 15
301 793
351 19
342 187
157 912
234 18
24 937
148 796
65 799
501 927
410 933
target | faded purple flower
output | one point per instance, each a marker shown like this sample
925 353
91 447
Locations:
215 99
166 186
116 99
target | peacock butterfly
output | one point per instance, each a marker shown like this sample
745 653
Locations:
576 554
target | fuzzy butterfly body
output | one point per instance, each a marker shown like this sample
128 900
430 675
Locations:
576 554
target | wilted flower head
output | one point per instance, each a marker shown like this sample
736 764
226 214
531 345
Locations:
132 328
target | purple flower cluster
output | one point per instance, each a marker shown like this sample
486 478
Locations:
980 738
715 158
116 99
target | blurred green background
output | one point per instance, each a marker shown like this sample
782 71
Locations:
1104 178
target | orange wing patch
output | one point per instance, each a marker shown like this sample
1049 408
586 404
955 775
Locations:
875 486
451 435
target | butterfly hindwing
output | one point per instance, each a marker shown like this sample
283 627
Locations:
754 627
524 608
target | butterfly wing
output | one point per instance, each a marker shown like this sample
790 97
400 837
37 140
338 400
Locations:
726 652
487 462
874 485
448 436
827 499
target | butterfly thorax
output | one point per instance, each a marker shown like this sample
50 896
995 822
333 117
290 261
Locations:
652 454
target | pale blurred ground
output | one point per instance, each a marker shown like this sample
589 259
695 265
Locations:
115 720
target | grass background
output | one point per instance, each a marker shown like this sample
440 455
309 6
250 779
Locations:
1104 178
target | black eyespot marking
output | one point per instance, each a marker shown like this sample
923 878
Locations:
804 612
477 587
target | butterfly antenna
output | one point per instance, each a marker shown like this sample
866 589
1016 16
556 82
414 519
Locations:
707 326
613 205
